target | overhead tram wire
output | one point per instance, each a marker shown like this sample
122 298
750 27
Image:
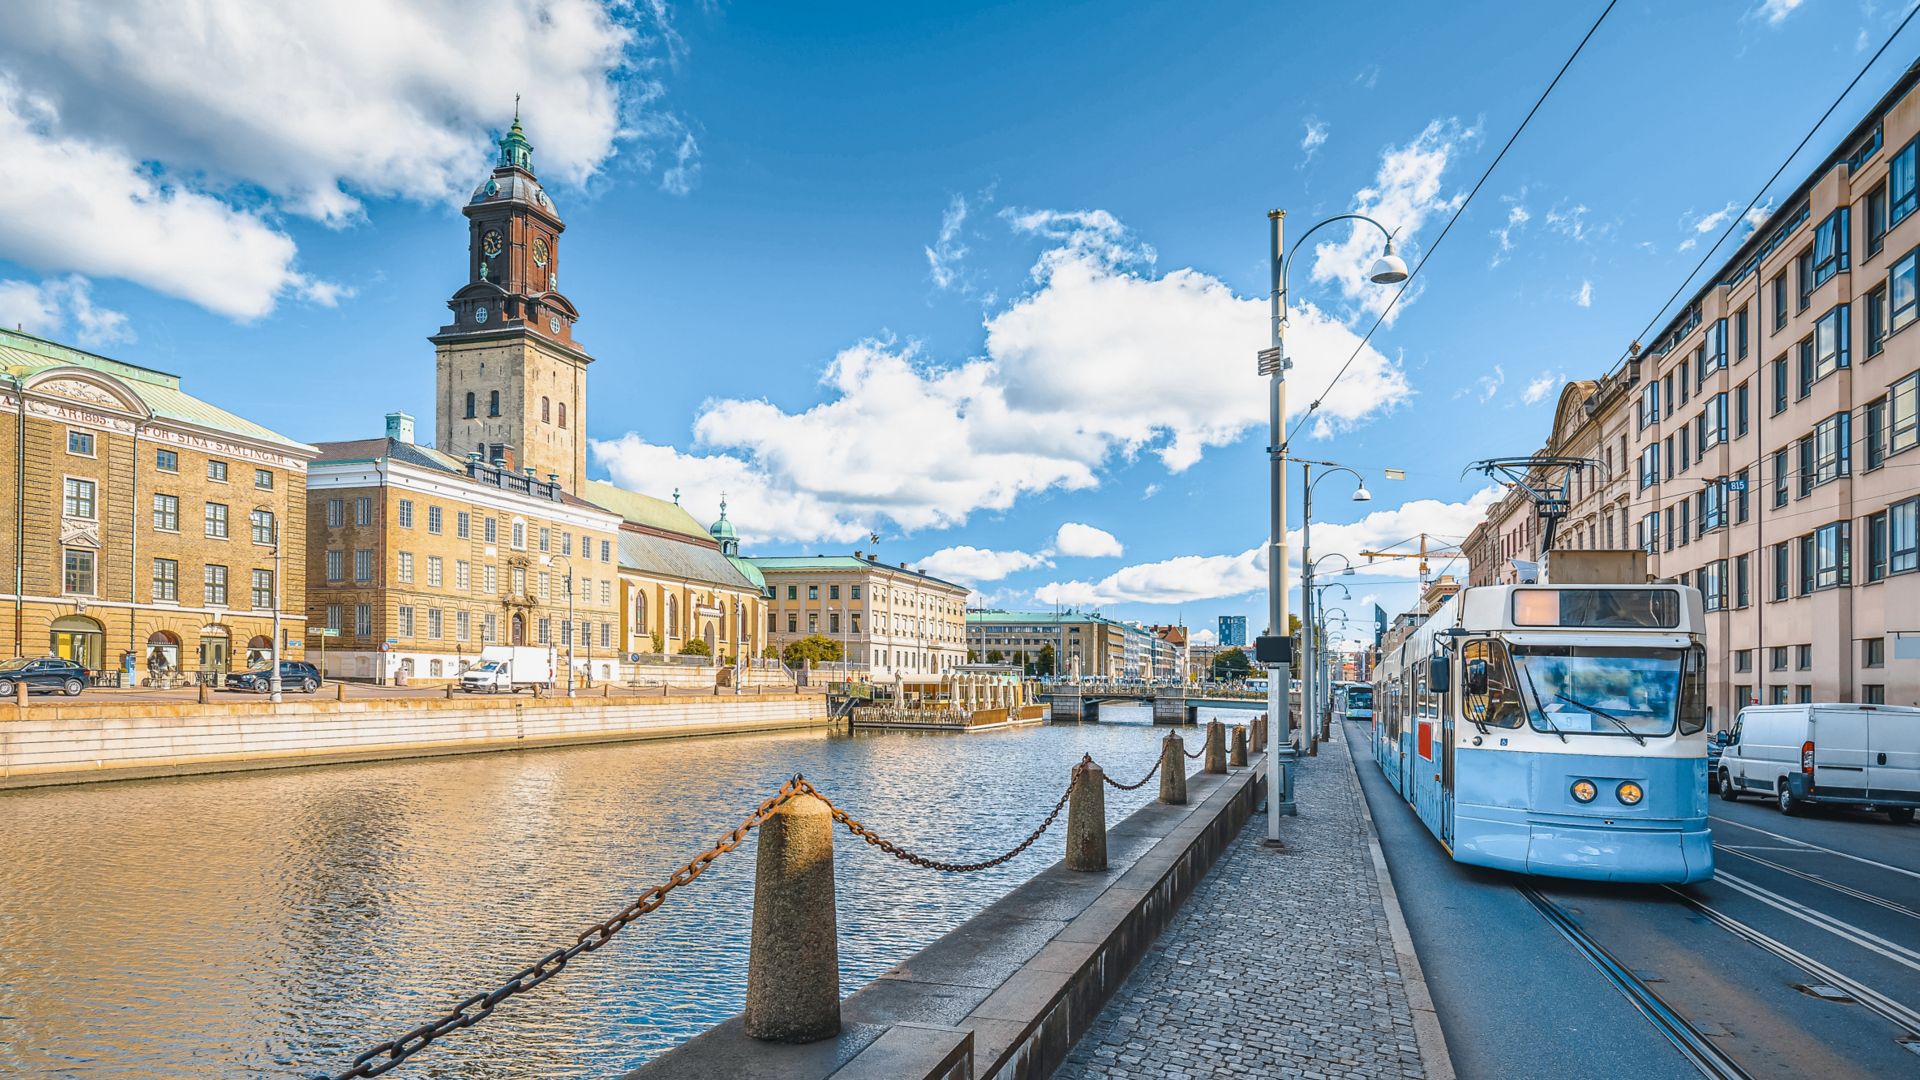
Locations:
1734 223
1461 209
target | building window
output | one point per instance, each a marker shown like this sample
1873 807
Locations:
1782 571
216 520
217 471
263 479
166 579
1876 220
489 628
1873 652
433 571
1832 448
1777 658
519 535
606 551
546 539
79 501
363 510
1740 334
434 522
80 443
336 565
813 592
336 513
1779 295
546 631
263 590
166 513
1742 582
1830 242
1781 476
793 623
491 529
1901 292
1903 537
403 568
469 405
462 576
1903 414
1805 448
363 620
404 515
435 623
813 622
166 461
333 617
1830 343
1901 197
463 525
405 621
1650 465
1803 694
1873 693
1740 410
1713 423
262 526
563 414
214 582
1876 302
462 625
1777 695
1713 584
1803 276
363 564
1741 505
854 592
490 579
546 411
1833 555
493 403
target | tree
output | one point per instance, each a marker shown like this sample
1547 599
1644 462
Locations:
973 657
770 653
1231 664
995 656
1043 662
810 650
1020 660
659 646
696 647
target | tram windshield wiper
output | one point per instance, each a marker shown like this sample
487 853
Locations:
1604 714
1548 720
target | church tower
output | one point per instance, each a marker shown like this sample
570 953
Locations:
510 381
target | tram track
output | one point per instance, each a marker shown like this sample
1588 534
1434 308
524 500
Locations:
1692 1044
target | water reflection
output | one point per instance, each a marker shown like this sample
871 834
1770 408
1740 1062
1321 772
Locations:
276 923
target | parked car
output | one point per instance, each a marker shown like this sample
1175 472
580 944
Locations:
1851 755
294 675
1716 744
42 675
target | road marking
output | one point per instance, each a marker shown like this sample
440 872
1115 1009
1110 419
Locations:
1828 850
1744 852
1898 953
1859 991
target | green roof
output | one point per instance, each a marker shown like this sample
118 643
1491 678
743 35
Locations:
645 509
752 572
25 355
841 562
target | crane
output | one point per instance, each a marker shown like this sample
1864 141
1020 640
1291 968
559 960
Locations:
1439 547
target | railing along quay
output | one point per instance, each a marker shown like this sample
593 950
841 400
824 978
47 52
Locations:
793 988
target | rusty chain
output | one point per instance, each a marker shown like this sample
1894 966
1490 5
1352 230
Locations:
390 1054
1137 783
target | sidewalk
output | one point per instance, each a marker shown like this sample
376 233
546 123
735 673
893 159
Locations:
1281 964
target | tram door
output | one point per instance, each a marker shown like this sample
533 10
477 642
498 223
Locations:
1446 768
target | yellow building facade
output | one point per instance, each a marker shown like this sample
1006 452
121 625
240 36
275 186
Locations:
681 583
150 534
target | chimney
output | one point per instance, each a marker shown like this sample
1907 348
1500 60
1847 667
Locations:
400 427
857 553
871 557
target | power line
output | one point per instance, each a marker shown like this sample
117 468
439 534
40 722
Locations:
1734 223
1461 209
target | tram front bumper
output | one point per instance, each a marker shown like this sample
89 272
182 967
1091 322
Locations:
1591 852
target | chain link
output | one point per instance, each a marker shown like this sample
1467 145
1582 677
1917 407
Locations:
1137 783
898 852
388 1055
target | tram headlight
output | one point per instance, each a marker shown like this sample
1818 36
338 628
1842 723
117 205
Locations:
1584 791
1629 793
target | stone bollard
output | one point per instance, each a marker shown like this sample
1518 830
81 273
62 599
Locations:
449 689
793 963
1173 770
340 691
205 693
20 698
1259 733
1216 759
1087 820
1238 755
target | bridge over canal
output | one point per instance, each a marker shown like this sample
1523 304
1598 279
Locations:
1172 705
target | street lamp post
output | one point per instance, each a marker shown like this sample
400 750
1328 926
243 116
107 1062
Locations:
1310 684
1311 594
273 680
1324 672
567 578
1386 270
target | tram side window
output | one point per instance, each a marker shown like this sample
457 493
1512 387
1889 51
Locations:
1487 690
1693 691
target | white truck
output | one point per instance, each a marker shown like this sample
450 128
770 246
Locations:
1857 755
509 669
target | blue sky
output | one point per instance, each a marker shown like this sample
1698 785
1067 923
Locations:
985 279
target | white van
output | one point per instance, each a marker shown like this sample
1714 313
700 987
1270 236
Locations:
1855 755
509 669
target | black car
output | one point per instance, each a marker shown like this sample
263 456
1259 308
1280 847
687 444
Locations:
1716 743
294 675
44 675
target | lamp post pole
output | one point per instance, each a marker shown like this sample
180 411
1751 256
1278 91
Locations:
273 679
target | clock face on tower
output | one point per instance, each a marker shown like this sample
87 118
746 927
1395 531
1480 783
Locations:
539 251
490 244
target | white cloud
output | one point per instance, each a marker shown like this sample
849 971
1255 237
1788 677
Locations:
1085 541
1775 12
1314 139
1541 386
1705 224
1759 215
1485 386
972 565
923 445
1188 578
159 141
1585 296
1404 194
944 256
55 308
1517 217
1570 222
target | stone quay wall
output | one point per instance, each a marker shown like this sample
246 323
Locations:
80 743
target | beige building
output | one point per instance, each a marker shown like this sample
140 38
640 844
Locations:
1084 645
1764 447
891 619
680 583
143 521
417 560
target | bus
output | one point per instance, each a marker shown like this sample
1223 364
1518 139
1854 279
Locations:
1353 700
1555 729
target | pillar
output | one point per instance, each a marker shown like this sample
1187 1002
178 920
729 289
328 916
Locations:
793 964
1216 753
1087 820
1238 755
1173 770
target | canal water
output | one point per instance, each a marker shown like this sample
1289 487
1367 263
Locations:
274 924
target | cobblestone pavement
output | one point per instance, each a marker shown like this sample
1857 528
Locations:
1280 964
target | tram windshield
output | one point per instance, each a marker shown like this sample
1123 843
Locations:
1571 690
1359 699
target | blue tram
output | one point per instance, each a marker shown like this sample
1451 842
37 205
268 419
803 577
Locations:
1555 729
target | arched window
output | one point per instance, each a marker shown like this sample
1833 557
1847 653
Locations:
563 414
546 411
639 611
673 616
469 404
493 403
